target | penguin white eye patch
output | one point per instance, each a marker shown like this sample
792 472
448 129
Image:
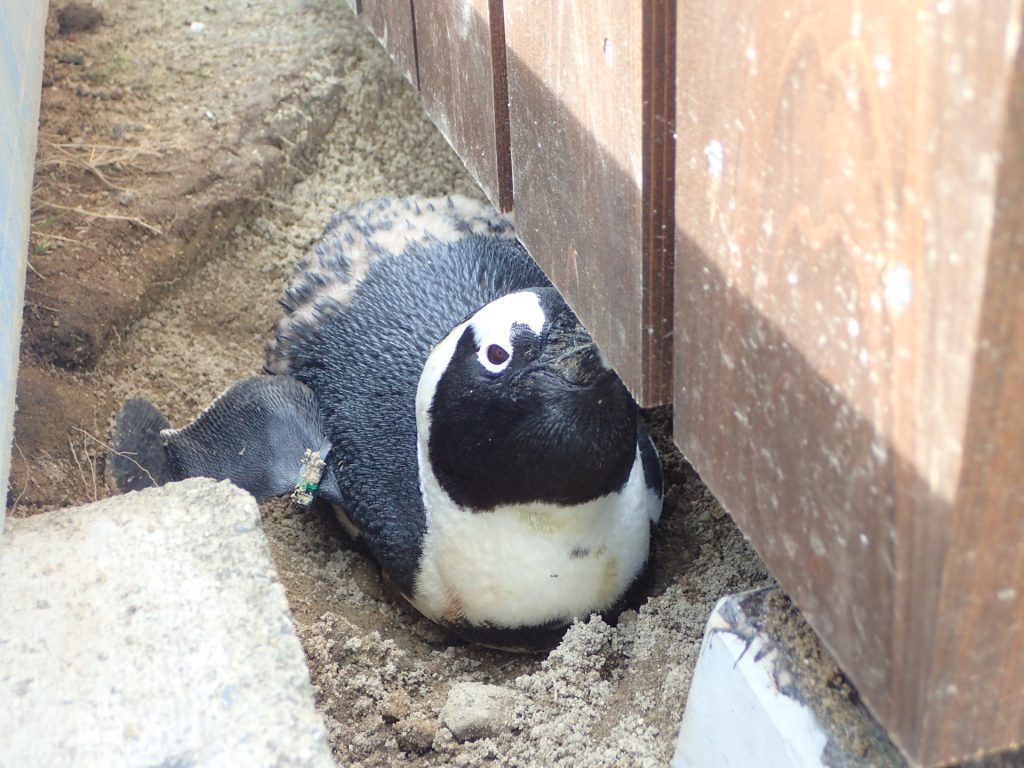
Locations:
492 327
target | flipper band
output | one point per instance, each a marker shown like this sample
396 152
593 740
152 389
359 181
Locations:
309 478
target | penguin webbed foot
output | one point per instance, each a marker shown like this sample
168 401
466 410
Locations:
138 459
259 435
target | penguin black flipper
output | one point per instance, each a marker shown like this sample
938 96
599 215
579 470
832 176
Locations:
654 478
255 435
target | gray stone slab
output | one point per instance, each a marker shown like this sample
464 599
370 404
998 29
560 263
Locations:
151 630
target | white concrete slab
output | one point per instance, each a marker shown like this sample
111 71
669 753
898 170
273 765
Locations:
151 630
746 707
737 716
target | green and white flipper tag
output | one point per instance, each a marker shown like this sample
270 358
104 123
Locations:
312 470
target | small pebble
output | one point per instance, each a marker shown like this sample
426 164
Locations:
72 58
197 26
395 706
113 93
126 199
78 17
477 711
416 734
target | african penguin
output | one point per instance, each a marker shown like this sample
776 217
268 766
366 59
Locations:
473 436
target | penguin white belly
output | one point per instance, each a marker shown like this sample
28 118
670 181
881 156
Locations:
525 565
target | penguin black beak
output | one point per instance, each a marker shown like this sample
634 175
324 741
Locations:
570 354
579 365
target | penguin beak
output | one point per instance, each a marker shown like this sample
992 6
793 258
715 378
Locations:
578 364
570 354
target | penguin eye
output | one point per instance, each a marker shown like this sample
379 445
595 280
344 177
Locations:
496 354
494 357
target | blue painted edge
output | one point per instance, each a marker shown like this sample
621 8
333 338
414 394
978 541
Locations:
21 77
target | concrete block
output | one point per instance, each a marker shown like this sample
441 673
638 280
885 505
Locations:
151 630
766 693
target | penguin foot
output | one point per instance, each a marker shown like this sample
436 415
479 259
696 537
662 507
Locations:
138 460
263 434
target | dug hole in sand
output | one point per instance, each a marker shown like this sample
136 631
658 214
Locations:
390 685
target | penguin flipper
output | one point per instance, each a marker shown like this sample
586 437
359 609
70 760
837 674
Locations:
256 435
654 477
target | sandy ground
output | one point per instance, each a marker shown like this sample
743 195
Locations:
606 696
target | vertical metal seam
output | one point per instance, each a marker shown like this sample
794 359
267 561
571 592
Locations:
502 125
415 44
658 179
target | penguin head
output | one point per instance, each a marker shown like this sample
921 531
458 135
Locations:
516 406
